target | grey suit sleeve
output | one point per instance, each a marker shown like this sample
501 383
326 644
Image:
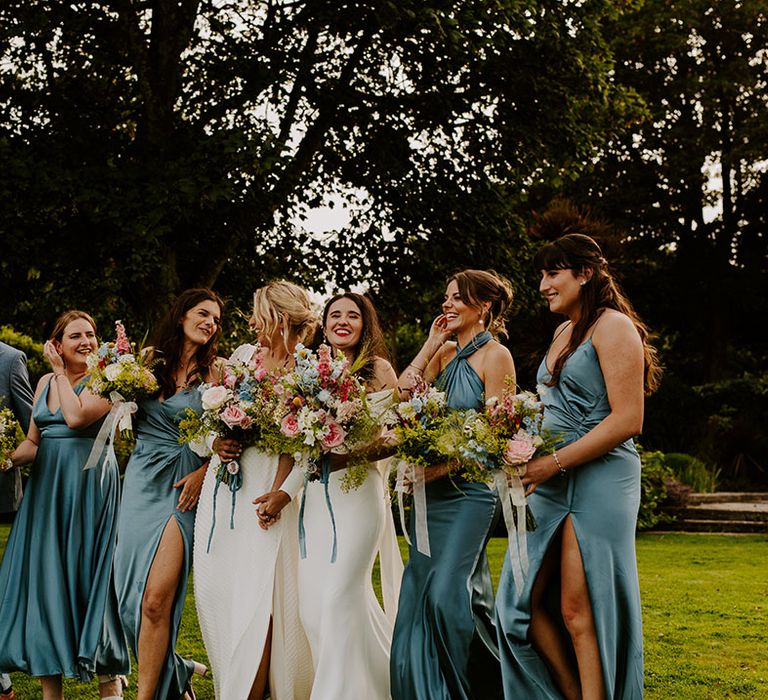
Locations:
21 392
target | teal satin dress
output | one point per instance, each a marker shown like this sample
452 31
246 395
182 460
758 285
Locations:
58 612
444 641
149 502
602 498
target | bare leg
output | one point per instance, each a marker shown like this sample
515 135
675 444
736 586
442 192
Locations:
546 635
52 688
110 686
156 607
262 675
577 615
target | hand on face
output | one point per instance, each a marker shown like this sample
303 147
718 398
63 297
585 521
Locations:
52 355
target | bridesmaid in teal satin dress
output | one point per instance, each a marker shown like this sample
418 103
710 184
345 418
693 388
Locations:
575 629
162 484
58 613
444 642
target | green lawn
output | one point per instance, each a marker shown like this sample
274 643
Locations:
705 611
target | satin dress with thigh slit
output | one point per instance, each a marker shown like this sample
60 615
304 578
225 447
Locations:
602 499
149 504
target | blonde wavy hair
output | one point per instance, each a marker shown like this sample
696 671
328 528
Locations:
283 301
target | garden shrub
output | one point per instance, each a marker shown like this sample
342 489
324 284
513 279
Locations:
654 476
692 471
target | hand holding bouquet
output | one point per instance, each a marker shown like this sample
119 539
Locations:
494 447
235 406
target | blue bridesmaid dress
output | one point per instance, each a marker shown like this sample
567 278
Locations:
149 502
58 612
444 642
602 498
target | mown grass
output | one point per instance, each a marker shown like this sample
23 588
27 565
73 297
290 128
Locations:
705 614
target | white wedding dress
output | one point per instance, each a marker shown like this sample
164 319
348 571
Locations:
248 576
349 633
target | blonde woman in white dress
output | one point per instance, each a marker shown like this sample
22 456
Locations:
348 631
245 583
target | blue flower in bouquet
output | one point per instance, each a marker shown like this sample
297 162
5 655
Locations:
324 396
417 404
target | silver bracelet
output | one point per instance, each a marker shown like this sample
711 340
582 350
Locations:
559 466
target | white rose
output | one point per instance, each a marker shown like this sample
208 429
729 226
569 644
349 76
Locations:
112 372
214 398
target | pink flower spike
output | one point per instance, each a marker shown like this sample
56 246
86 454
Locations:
121 341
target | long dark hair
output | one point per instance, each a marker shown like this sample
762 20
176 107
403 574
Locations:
168 340
478 286
371 343
579 253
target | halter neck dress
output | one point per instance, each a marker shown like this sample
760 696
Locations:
444 642
602 498
149 503
58 613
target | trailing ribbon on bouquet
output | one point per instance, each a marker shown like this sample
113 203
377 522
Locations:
415 475
234 480
325 473
118 417
512 495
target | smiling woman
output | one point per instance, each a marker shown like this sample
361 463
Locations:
160 493
63 623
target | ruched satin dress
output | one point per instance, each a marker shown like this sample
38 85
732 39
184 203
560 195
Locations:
602 498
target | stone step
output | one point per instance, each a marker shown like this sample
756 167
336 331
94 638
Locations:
727 497
724 511
691 525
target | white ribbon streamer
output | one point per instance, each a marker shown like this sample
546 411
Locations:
512 494
118 417
415 475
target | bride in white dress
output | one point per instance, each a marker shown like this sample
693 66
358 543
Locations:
349 633
245 584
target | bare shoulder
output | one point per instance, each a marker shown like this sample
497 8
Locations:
381 365
614 325
495 351
43 381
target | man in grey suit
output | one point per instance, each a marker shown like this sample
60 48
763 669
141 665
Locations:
16 394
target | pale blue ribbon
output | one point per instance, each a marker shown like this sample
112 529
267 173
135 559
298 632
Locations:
325 473
234 483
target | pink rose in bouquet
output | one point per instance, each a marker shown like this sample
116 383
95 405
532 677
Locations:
334 437
233 416
290 426
519 450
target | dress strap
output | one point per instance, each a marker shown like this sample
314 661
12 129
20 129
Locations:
473 345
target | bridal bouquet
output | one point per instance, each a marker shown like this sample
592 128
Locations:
118 368
236 406
9 437
494 447
418 426
120 372
506 436
321 408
